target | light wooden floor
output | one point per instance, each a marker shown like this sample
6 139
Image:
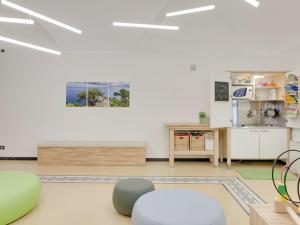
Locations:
90 204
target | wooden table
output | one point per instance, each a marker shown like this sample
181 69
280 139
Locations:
173 127
265 215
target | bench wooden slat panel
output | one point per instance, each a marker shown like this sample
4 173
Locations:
266 215
92 156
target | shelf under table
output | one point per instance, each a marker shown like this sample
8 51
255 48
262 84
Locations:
201 153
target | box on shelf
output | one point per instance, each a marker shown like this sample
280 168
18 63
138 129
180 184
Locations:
209 141
182 142
197 142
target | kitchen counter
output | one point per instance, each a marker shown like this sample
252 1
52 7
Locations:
258 142
259 126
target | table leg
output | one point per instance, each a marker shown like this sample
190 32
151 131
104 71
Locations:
221 143
216 147
228 147
171 147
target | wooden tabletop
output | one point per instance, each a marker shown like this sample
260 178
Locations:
188 125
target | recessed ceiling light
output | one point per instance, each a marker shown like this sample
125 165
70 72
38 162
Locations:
16 20
24 44
149 26
253 2
40 16
189 11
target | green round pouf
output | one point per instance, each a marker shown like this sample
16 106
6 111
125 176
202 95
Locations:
128 191
19 193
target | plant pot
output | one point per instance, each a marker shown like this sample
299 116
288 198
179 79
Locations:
202 120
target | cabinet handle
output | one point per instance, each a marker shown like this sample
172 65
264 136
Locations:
253 131
265 131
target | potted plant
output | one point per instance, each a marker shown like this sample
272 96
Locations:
202 117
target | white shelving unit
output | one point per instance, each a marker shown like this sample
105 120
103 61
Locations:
261 142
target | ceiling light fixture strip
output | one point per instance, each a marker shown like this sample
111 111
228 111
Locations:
28 45
189 11
16 20
253 3
40 16
147 26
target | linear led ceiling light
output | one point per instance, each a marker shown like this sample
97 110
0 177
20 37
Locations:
16 20
40 16
24 44
148 26
253 2
189 11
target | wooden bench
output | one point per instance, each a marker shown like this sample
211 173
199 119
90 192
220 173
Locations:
266 215
92 153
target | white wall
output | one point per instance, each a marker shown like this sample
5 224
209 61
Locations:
32 95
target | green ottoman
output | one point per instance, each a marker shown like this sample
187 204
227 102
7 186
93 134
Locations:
19 193
127 192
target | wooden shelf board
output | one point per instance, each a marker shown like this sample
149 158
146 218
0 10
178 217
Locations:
242 84
202 153
259 71
189 126
296 83
257 87
265 100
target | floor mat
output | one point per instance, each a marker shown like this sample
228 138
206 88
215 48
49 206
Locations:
261 174
240 191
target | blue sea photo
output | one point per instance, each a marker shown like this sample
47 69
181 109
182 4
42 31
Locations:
119 94
98 94
76 94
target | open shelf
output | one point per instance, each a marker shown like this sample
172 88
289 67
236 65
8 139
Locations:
292 96
267 86
199 153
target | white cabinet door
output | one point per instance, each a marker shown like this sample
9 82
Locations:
244 143
273 142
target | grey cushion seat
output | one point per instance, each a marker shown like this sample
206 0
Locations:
127 192
177 207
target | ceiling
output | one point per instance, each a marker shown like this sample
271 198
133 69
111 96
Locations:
233 25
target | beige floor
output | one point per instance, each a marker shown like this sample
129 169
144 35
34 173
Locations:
90 204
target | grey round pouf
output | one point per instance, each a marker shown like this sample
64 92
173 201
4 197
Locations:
177 207
127 192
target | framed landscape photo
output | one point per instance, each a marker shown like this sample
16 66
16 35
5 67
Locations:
221 91
119 94
76 94
97 94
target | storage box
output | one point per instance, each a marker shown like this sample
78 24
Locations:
197 143
209 142
209 145
182 142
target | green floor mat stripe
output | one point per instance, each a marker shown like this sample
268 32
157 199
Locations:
261 174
